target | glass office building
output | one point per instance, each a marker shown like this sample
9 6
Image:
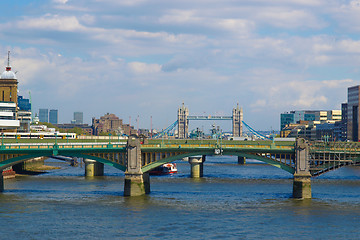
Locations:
353 131
53 116
78 117
43 115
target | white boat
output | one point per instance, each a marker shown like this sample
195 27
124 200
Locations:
167 168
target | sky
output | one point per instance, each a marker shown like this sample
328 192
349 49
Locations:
141 59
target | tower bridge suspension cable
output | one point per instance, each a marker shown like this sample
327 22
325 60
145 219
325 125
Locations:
256 132
166 130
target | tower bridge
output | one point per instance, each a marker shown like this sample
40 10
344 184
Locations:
184 117
138 156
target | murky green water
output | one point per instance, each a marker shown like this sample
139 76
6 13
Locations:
230 202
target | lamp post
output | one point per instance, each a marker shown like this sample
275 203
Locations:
109 138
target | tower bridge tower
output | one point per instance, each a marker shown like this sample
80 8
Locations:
237 119
183 122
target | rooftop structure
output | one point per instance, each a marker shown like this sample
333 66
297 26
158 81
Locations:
8 74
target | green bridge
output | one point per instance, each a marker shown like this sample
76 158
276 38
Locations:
138 156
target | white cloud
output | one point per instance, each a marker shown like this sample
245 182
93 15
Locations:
289 18
60 1
122 2
300 93
143 68
51 22
193 18
349 46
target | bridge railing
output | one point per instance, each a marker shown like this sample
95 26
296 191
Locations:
335 147
217 145
14 146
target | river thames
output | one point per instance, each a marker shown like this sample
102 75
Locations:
232 201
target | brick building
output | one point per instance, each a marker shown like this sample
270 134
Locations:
110 123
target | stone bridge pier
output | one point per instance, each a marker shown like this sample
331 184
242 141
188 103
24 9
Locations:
302 176
93 168
197 166
136 182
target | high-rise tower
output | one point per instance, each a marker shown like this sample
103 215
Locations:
53 116
353 113
78 117
44 115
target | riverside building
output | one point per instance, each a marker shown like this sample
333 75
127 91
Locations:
24 114
353 113
318 117
110 123
314 125
8 100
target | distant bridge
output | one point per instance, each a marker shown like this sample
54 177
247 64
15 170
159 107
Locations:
182 123
183 118
138 156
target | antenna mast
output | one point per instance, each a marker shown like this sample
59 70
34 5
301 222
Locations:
8 58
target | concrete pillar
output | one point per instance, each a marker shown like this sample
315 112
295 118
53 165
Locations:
136 183
241 160
302 186
1 181
302 176
197 166
93 168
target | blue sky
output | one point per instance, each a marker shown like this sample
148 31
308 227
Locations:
145 58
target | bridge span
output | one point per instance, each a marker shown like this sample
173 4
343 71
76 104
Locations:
138 156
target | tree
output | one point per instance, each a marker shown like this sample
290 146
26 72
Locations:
76 130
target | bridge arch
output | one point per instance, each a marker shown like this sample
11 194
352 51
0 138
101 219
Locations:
266 160
101 160
19 159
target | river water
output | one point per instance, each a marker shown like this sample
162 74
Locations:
232 201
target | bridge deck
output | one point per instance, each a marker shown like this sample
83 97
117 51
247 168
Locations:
322 156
